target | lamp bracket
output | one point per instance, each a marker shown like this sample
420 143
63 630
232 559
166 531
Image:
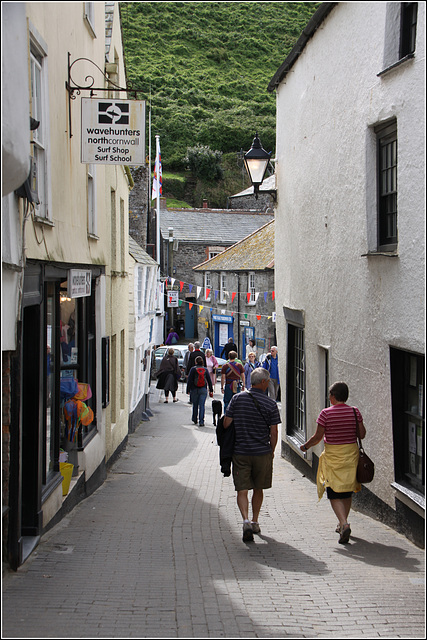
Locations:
74 89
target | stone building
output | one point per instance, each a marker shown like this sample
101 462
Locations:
237 293
196 236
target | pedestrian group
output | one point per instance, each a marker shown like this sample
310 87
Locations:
248 430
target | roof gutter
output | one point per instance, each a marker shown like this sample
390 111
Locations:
313 24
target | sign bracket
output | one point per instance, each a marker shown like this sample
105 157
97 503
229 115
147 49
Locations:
75 89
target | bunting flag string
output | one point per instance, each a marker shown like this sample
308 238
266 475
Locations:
207 291
231 312
170 282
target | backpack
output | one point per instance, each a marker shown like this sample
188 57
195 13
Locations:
200 381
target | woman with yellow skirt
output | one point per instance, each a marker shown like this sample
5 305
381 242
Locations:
339 426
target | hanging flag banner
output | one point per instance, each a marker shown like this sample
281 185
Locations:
157 179
113 131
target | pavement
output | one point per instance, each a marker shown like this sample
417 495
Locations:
157 552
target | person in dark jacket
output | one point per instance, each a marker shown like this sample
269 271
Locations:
198 394
168 374
193 355
230 346
255 417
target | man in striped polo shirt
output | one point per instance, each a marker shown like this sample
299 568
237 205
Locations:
255 417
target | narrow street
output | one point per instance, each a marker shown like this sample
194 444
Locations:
157 552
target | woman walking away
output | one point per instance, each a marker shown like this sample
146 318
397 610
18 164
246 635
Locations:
197 383
339 425
212 366
168 375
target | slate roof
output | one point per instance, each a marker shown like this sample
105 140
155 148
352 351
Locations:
253 253
211 226
139 255
268 184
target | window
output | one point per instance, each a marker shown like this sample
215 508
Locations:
78 348
408 28
51 344
222 288
387 185
251 288
139 302
295 376
114 242
208 285
408 413
89 16
296 383
38 67
91 201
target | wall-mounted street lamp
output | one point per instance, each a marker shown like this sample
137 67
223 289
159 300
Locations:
256 163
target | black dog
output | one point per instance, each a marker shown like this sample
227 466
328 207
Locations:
216 409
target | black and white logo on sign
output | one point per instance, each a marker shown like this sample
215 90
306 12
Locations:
113 113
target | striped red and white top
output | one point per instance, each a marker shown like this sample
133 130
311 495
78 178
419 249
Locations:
339 423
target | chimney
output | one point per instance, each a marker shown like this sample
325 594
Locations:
205 204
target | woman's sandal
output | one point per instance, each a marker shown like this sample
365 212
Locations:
344 534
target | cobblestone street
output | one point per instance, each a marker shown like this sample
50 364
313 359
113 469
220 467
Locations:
157 552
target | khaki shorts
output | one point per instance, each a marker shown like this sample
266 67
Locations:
252 472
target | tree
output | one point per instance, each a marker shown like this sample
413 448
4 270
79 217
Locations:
204 163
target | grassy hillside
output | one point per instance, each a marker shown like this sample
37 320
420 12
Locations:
206 66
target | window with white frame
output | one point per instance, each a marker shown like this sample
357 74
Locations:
91 200
251 288
89 16
39 111
139 305
222 288
208 285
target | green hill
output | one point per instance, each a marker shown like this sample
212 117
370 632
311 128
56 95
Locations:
206 67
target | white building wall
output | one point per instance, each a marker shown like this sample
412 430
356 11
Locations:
357 306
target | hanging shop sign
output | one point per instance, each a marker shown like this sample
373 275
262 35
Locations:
113 131
79 283
172 298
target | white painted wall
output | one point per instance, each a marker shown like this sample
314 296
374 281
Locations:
358 306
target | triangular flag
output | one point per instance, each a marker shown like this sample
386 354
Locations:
200 308
258 317
256 297
198 291
180 303
181 285
216 294
233 295
248 296
190 305
172 281
208 293
190 287
265 296
273 296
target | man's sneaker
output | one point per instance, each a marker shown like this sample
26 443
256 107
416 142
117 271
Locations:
256 528
248 534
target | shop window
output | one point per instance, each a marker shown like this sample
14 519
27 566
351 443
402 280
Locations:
78 351
51 363
408 411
